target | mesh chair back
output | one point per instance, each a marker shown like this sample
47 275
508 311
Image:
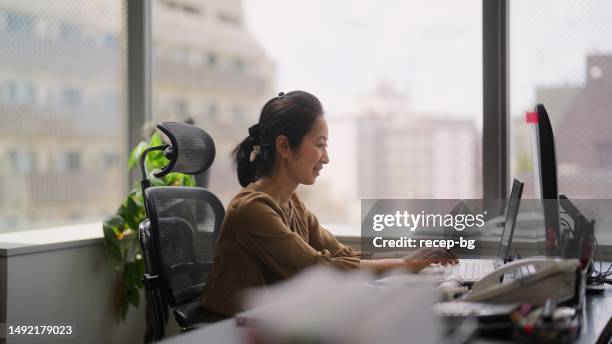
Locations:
185 222
193 150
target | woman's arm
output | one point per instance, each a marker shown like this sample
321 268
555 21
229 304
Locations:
383 265
259 228
415 261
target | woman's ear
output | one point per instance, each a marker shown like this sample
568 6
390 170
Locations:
282 146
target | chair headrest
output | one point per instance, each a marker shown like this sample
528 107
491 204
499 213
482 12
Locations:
191 150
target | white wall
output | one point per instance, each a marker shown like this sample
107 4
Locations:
68 285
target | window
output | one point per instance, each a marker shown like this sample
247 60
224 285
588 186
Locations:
17 92
20 23
560 56
70 31
71 97
49 124
22 162
212 60
378 70
73 161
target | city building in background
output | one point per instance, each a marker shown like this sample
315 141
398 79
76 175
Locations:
411 155
61 107
62 101
581 116
209 68
584 135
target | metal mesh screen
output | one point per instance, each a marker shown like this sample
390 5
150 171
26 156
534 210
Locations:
187 221
195 148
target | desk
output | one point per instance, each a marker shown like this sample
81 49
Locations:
597 326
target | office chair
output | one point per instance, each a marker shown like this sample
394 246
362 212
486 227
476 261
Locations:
178 238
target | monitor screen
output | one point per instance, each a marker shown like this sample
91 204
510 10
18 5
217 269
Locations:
503 252
547 165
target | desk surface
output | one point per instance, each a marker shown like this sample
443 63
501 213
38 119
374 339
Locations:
597 326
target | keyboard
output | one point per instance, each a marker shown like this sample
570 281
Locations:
468 269
464 309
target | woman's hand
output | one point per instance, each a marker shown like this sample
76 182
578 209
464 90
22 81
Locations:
423 257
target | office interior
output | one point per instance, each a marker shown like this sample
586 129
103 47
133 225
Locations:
423 101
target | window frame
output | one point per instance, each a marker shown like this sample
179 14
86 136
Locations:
495 164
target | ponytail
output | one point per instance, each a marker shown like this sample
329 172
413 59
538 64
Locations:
245 169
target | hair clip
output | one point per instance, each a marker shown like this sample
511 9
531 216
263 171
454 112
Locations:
254 153
281 94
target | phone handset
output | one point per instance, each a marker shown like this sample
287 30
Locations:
495 277
545 278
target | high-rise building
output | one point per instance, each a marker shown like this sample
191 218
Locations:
62 98
207 66
584 144
581 116
408 155
60 105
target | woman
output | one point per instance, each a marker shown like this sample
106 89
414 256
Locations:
268 234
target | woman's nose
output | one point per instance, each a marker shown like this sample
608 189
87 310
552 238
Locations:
325 157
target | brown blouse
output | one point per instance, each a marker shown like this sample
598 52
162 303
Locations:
261 242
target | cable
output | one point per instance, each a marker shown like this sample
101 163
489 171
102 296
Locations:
598 275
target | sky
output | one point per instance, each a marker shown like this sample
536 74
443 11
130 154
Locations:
429 50
343 49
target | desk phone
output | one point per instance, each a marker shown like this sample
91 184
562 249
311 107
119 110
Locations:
528 281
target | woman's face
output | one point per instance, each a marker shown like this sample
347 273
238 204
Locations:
308 159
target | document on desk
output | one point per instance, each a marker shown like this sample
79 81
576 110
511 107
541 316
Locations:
324 305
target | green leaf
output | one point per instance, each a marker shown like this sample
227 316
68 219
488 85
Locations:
137 198
135 155
156 159
110 227
190 181
156 140
133 296
132 214
132 274
158 182
112 222
114 254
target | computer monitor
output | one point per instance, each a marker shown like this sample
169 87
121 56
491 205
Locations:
547 170
512 208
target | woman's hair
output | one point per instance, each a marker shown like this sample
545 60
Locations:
292 115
